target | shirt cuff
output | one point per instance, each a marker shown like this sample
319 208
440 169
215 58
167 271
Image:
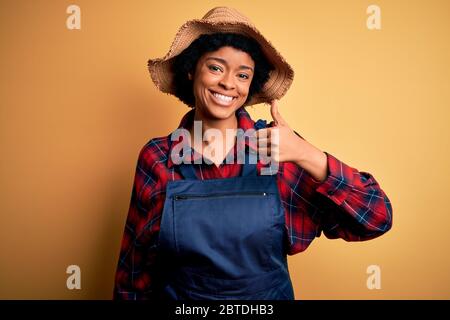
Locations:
339 180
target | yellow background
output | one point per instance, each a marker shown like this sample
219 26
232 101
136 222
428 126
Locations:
78 105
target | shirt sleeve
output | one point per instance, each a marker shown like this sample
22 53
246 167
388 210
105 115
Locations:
354 207
133 278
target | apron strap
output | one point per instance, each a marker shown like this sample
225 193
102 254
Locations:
187 171
248 169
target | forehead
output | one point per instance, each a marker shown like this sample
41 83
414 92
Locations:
231 55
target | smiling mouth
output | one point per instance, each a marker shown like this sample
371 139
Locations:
222 99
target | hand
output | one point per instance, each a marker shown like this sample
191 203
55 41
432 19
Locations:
279 142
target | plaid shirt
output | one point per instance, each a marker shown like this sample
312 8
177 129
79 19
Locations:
349 204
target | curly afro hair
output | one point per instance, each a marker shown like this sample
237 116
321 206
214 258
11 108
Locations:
186 62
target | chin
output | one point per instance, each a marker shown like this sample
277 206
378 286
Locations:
219 112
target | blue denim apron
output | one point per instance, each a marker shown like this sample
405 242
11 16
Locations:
223 238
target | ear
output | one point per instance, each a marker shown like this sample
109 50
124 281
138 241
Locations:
189 76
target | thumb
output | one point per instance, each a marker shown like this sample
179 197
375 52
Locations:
276 116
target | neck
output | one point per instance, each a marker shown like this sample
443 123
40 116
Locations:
226 137
222 125
219 124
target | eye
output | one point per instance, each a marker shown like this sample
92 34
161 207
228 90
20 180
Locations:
214 68
245 76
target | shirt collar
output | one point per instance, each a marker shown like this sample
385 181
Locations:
244 120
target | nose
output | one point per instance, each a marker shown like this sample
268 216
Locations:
227 81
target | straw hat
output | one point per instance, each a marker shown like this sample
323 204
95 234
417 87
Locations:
223 19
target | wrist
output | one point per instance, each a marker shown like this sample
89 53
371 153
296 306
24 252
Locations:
313 160
305 151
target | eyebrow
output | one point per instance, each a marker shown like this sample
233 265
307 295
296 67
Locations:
225 62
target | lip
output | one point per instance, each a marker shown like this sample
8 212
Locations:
222 93
220 102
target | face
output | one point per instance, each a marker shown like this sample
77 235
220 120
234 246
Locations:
221 82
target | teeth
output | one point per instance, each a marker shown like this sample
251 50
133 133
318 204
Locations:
222 97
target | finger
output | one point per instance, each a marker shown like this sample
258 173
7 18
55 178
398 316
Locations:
276 116
275 136
264 151
269 152
264 142
263 133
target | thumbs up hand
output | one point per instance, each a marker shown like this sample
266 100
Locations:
279 142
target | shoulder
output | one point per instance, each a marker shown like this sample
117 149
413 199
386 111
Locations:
154 153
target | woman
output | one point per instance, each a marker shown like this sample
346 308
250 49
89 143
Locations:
209 228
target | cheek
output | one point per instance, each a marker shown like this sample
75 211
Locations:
200 86
204 82
244 89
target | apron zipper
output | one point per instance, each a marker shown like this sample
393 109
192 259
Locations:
218 195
